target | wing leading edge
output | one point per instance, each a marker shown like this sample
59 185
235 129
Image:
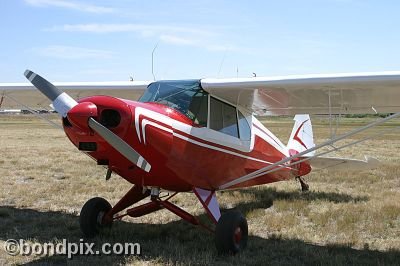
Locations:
354 93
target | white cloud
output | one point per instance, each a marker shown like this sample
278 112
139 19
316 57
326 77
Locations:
145 30
72 52
73 5
171 39
175 35
177 40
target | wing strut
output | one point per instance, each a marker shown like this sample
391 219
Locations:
34 112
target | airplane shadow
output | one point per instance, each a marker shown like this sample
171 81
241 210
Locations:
178 242
268 194
265 197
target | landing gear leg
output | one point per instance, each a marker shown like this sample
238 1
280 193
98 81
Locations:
304 186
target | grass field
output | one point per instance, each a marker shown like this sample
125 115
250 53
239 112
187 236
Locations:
346 218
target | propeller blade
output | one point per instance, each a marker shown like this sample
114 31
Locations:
120 145
61 101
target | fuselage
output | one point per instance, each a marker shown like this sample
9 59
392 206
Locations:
183 139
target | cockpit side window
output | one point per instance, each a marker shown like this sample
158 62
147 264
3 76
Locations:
223 118
198 108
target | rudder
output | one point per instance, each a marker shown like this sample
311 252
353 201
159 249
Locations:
302 137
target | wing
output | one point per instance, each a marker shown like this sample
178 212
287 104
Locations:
343 164
312 94
27 94
107 85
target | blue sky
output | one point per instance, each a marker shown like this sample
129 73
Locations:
87 40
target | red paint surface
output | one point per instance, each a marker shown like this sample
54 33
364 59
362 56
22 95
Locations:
177 164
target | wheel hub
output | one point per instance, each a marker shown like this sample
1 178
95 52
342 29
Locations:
237 236
100 218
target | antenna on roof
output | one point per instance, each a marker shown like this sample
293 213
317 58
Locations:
152 61
222 63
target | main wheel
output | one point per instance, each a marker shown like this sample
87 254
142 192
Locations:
91 216
231 233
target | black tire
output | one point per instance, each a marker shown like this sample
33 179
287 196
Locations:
231 233
91 214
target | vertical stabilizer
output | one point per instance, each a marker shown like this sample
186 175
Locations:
302 137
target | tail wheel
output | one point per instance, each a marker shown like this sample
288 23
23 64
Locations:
231 233
91 217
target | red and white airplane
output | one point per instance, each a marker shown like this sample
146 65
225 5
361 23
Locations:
202 136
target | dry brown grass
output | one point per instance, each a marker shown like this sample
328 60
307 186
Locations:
346 218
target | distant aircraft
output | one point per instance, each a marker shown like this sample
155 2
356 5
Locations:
201 136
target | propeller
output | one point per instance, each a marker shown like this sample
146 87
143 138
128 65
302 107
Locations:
63 103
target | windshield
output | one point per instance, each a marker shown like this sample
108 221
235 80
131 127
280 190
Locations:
186 97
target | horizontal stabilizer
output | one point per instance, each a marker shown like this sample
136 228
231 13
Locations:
343 164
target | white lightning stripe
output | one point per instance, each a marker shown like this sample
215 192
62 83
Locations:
146 122
199 133
218 149
154 115
137 114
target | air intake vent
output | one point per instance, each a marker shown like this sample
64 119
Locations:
87 146
66 122
110 118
